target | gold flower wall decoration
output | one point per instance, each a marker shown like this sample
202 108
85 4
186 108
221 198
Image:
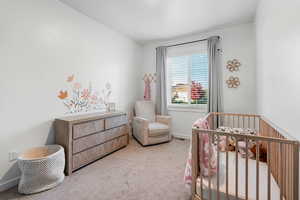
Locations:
233 65
233 82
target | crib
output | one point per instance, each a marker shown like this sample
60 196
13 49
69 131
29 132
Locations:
243 178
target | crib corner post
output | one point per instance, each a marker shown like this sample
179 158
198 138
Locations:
195 162
296 171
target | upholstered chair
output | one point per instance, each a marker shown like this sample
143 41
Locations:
149 128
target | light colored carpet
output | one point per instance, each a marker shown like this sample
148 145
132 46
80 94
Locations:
132 173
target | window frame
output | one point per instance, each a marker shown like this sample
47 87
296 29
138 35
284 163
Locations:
203 108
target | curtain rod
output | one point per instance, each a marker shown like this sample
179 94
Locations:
179 44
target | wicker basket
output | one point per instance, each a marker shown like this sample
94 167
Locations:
42 168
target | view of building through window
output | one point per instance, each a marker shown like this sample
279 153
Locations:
188 79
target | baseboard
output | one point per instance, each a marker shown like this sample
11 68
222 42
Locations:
9 184
181 136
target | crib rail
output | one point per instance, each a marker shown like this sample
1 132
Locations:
233 120
282 158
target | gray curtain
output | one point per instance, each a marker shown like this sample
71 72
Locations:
161 88
215 103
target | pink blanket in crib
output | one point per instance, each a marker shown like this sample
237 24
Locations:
208 152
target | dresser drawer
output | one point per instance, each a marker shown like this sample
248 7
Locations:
97 152
98 138
115 121
80 130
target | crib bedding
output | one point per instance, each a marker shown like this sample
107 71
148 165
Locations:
263 180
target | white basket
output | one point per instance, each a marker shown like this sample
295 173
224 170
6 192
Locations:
42 168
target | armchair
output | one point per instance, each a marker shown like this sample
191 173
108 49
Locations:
149 128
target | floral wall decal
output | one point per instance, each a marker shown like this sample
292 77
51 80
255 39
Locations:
233 65
62 94
233 82
81 99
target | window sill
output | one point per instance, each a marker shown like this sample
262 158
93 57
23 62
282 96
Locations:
196 109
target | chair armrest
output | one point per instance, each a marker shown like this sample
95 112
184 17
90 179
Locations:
140 127
164 119
141 121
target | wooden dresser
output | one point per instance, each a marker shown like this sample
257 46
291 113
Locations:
89 137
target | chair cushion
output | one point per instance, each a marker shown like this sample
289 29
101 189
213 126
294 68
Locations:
158 129
145 109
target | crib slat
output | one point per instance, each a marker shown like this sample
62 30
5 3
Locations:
257 170
248 122
246 171
215 121
227 167
209 165
201 171
218 168
195 160
236 169
284 191
281 169
289 172
269 170
292 173
296 171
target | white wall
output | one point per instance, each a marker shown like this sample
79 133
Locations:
41 43
237 42
278 63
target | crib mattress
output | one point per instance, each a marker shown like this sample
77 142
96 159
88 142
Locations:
263 180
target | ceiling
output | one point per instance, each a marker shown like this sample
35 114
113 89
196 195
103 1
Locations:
147 20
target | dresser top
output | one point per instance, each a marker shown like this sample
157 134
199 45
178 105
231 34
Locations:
91 116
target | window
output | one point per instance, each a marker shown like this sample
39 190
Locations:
187 75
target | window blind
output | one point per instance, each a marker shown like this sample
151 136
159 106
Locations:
187 69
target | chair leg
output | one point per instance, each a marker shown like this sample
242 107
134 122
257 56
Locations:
138 141
196 197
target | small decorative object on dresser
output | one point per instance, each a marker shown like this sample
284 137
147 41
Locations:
111 107
89 137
